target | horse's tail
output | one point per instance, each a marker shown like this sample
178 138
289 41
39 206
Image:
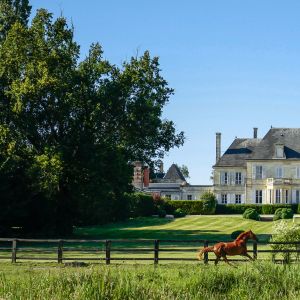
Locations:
204 250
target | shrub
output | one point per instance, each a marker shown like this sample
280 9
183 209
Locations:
179 213
251 213
236 208
236 233
283 213
282 232
189 207
209 202
161 213
140 205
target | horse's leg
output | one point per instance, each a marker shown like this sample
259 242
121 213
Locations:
227 261
247 255
217 259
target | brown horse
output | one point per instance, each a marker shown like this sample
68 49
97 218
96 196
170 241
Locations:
237 247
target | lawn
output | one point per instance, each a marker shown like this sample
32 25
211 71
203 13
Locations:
120 282
215 227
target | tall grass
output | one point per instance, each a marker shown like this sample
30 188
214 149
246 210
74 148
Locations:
247 281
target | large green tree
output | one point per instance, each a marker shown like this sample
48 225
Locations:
69 130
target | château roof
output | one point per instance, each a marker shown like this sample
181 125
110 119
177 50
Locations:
174 174
243 149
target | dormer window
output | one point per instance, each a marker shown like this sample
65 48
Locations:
279 151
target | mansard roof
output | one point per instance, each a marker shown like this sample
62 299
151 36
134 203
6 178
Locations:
245 149
174 174
288 137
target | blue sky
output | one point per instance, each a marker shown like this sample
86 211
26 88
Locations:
234 65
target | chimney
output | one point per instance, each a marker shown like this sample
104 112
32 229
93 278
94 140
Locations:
218 146
146 178
255 132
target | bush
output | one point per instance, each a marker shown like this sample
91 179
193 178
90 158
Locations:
179 213
189 207
283 213
236 233
261 209
140 205
282 232
251 213
209 202
161 213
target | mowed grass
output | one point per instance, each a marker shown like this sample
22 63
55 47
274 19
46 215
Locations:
255 280
216 227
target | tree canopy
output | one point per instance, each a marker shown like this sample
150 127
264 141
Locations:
69 129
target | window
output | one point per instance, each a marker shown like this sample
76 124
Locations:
189 197
279 151
238 178
168 197
224 198
224 178
277 196
298 172
279 172
258 172
297 196
270 196
286 196
238 199
258 196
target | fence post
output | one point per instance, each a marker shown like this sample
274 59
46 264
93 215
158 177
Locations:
156 251
60 252
14 251
254 250
205 258
107 251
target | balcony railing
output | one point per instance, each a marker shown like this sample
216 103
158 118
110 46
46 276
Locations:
279 181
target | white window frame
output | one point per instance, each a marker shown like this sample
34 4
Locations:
277 196
238 178
259 172
238 198
224 198
297 195
258 196
279 172
298 172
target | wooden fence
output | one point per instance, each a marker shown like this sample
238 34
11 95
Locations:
106 250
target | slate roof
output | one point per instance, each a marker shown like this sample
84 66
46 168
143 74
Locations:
245 149
174 174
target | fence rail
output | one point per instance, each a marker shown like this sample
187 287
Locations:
105 251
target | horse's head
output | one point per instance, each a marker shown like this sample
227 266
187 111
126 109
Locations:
252 236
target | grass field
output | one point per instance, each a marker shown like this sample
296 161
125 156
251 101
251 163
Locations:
121 282
214 227
211 228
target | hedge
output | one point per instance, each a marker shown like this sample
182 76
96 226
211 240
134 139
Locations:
261 209
189 207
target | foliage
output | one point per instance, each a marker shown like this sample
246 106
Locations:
283 213
283 232
251 213
184 170
140 205
189 207
209 202
69 129
179 213
161 212
261 209
236 233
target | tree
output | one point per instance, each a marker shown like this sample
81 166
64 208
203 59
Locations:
184 170
70 129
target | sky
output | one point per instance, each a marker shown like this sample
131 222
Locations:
234 65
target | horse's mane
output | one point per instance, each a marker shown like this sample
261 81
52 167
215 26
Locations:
241 235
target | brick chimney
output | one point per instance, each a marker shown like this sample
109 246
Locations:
218 146
146 177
